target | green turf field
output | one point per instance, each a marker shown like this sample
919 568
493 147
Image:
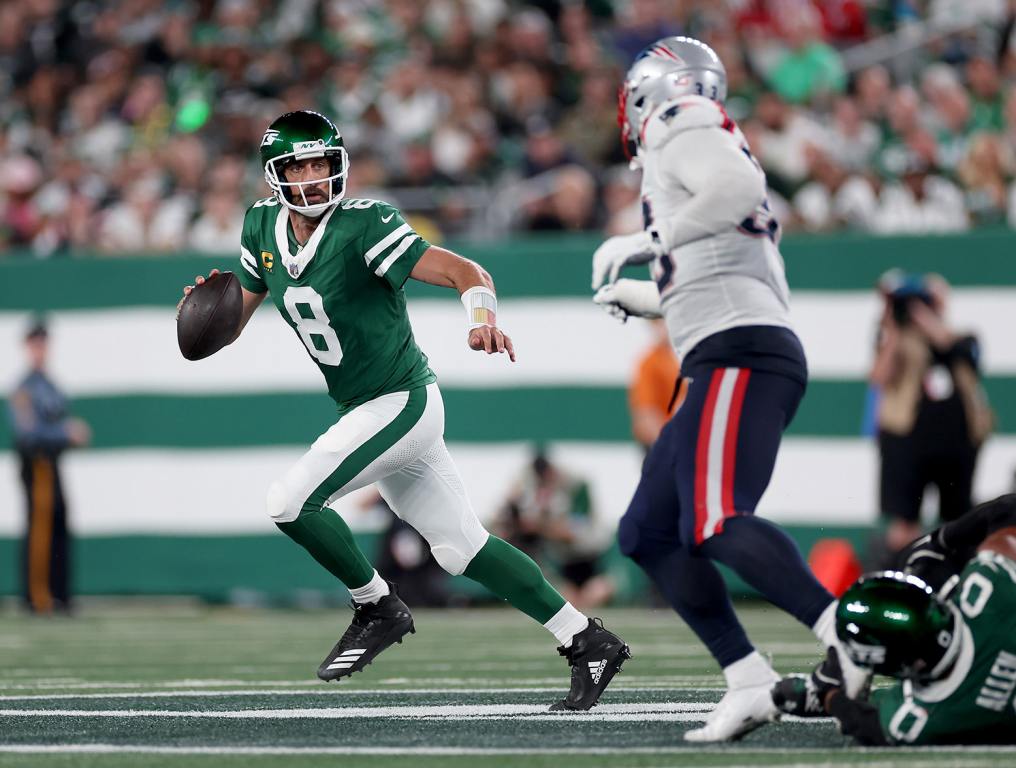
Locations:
166 684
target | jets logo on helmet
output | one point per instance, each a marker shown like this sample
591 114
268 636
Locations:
866 655
670 67
303 135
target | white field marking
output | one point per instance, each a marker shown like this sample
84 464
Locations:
326 690
453 711
678 712
76 683
110 749
631 683
455 685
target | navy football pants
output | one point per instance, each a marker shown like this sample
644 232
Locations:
695 503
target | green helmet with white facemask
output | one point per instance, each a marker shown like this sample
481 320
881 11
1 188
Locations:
304 135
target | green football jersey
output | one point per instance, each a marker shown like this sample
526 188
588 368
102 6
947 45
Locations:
341 292
974 702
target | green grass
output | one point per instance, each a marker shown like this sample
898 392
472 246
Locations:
169 681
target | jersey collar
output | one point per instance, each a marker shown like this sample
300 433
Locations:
296 264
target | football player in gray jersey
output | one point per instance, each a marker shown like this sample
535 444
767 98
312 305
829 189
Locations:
711 242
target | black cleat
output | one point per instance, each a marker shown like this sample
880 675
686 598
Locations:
595 656
375 627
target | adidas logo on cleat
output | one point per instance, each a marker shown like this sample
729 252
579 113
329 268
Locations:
596 669
347 658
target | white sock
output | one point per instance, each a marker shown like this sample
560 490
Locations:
372 591
752 670
566 623
825 627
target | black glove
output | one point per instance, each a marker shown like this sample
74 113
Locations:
795 695
804 695
828 675
929 559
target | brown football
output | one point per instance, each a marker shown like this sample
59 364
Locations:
209 316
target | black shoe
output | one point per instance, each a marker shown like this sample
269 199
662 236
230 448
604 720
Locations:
797 695
375 627
595 656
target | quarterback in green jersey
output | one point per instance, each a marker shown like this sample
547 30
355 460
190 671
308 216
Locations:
335 270
953 651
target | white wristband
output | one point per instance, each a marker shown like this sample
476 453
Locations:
481 306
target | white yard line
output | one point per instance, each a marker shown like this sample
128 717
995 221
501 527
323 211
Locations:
663 712
451 711
479 751
326 690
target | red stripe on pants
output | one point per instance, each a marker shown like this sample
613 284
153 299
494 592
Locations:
702 453
730 444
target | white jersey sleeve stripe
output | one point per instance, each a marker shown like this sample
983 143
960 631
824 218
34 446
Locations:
385 242
394 255
248 262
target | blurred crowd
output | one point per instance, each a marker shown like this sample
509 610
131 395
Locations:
132 126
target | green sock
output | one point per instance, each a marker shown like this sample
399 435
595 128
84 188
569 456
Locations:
513 576
327 537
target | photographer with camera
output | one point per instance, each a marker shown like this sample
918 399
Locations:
932 413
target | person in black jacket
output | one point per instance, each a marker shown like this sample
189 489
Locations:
933 415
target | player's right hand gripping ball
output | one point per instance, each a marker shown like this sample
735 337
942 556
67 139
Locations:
209 316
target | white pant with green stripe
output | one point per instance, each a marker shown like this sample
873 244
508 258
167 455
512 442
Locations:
396 441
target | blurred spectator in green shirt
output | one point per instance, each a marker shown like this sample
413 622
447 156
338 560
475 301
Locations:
810 68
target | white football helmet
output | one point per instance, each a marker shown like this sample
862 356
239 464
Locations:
670 67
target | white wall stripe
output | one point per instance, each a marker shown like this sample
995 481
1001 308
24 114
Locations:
109 352
394 255
386 241
714 467
816 481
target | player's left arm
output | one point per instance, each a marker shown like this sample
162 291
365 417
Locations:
857 717
439 266
943 552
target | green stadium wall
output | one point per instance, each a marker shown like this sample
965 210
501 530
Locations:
169 499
